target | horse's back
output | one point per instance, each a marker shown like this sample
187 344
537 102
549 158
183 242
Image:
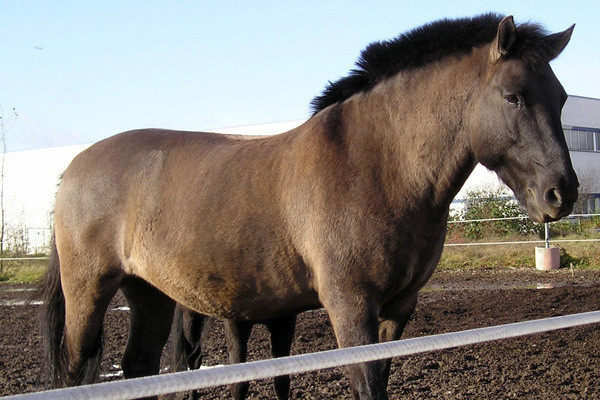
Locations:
100 179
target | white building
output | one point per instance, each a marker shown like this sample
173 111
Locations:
581 123
31 176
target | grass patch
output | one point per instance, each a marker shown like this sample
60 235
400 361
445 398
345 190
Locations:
583 255
580 255
23 271
480 257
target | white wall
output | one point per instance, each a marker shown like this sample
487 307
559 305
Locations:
30 179
582 112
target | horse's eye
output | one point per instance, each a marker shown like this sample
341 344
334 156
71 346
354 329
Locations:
512 99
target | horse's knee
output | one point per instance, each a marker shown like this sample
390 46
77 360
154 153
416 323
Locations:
366 381
395 316
81 361
237 334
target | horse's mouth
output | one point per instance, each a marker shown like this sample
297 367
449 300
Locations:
546 212
544 218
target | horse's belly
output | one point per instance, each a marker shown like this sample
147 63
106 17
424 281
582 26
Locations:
241 291
252 300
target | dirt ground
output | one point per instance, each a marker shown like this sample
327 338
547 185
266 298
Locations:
557 365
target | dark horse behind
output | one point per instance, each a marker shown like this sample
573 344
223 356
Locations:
347 212
192 330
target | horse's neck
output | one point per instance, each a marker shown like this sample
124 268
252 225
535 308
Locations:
417 128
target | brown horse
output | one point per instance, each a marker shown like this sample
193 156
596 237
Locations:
346 212
192 331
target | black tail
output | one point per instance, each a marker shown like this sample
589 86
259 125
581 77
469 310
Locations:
53 317
53 331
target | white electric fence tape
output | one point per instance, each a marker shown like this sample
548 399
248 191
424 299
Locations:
189 380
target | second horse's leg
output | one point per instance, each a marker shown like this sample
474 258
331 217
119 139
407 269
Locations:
151 316
237 334
282 335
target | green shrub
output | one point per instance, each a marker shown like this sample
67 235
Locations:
484 203
582 226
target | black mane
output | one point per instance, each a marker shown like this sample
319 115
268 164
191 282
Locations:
421 46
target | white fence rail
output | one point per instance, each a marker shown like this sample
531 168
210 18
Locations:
520 242
462 221
547 240
217 376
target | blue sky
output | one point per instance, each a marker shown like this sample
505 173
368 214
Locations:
77 72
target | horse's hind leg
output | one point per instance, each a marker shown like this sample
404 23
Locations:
151 317
237 334
282 335
86 299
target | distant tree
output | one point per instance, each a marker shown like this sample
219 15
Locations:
589 184
3 129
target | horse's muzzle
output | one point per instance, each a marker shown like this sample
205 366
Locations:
552 203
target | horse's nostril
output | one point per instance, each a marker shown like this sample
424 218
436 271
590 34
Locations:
553 197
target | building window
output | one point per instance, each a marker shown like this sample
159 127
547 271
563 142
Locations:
588 203
582 139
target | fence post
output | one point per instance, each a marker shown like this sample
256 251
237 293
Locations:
547 235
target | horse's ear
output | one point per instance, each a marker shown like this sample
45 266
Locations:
558 41
507 32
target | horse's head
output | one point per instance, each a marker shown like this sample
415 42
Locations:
515 126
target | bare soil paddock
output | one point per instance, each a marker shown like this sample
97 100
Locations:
557 365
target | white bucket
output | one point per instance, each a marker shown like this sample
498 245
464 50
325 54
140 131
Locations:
547 259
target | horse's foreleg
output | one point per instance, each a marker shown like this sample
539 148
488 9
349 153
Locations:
151 317
237 334
355 323
393 319
282 335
